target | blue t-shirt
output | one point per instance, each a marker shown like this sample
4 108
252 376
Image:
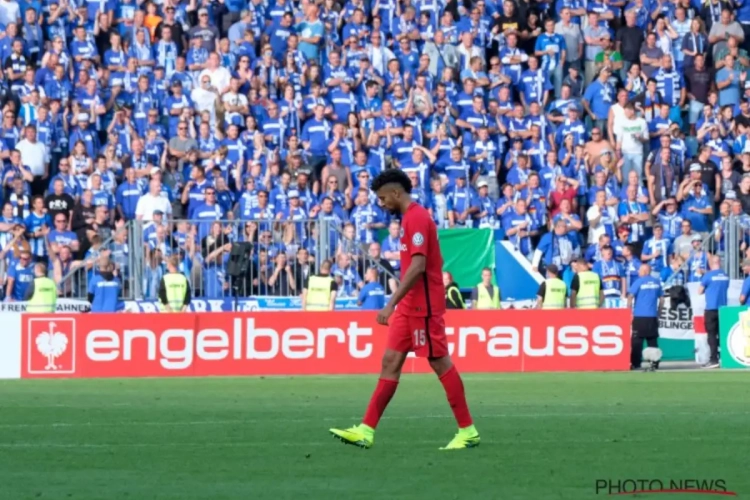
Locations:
646 291
715 286
600 97
307 29
22 276
372 296
106 294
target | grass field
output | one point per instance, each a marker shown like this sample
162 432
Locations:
545 436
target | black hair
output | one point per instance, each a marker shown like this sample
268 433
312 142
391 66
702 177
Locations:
392 176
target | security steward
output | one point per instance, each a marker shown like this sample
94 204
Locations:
174 289
41 294
553 293
319 292
645 298
453 298
485 295
715 285
586 288
105 289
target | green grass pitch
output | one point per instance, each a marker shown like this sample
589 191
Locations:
544 436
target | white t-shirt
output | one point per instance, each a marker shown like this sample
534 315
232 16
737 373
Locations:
233 99
220 77
148 204
628 131
607 217
34 155
205 101
10 12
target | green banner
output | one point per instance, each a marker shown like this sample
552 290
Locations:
466 252
734 337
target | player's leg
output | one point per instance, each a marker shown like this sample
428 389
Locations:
399 345
436 351
390 373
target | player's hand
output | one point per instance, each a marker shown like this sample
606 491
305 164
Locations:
384 315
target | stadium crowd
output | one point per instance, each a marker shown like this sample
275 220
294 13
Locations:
613 130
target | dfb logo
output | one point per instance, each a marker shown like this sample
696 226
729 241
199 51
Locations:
51 346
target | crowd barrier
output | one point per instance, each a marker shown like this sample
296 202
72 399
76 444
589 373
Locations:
261 343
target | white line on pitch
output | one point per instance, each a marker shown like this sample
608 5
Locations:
180 423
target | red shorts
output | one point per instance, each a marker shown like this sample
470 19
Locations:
425 336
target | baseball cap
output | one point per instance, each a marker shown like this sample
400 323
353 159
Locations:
83 117
696 237
202 11
695 167
158 212
155 170
730 195
293 193
481 184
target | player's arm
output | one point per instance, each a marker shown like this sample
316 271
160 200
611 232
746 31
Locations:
409 279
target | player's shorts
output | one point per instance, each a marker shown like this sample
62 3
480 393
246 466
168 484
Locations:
424 336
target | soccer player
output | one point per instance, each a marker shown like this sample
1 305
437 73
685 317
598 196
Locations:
418 324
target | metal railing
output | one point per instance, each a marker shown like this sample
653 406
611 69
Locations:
280 255
733 231
75 282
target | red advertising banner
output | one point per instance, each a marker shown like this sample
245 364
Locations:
272 343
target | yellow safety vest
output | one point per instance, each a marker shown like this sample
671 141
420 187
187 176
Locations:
555 292
176 284
44 299
319 293
484 301
588 290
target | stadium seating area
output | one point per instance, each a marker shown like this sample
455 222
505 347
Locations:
567 127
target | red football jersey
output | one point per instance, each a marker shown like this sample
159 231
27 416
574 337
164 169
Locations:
419 237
